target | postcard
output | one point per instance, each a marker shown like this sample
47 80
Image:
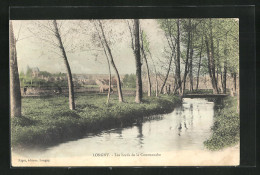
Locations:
124 92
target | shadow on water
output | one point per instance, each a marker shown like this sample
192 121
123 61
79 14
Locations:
96 132
140 134
119 132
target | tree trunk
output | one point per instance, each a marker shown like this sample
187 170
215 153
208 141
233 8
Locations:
187 58
109 83
217 75
235 81
217 60
213 61
156 88
15 92
198 74
139 93
190 65
69 75
148 77
147 68
167 74
109 71
156 78
178 62
108 64
221 80
119 88
225 78
210 69
174 84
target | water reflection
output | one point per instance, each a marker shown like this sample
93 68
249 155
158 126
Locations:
179 128
119 132
186 128
140 134
185 125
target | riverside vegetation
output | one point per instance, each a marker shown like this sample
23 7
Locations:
47 119
226 128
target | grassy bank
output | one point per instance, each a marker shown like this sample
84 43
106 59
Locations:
47 120
226 128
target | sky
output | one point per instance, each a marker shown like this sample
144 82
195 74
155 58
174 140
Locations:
33 52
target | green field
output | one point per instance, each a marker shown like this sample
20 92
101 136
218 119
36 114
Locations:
48 120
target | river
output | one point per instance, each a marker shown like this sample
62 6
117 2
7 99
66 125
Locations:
182 131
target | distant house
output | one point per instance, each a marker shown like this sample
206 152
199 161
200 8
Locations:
80 78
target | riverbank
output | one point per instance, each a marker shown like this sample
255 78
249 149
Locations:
47 120
226 128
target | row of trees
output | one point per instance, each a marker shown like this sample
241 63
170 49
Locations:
191 46
209 44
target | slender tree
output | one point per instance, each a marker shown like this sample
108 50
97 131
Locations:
52 33
191 62
110 77
139 91
211 59
187 64
144 50
199 64
15 92
218 68
156 75
224 77
135 45
108 62
65 59
178 63
119 88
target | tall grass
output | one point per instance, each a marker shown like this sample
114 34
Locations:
226 128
